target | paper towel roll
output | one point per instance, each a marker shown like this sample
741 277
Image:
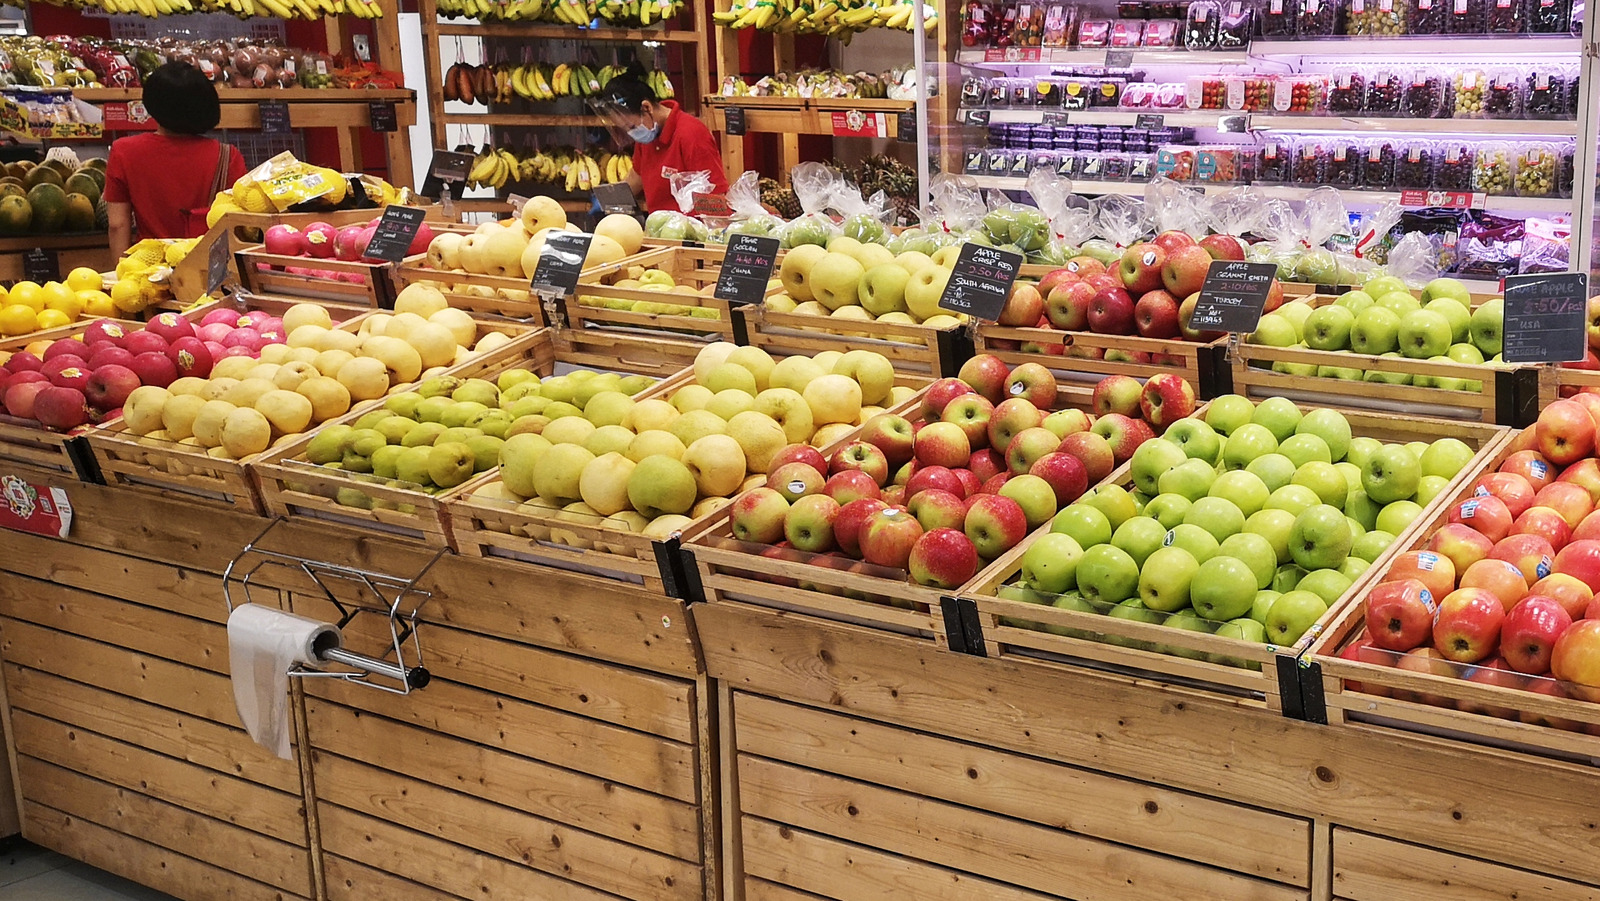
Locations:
263 643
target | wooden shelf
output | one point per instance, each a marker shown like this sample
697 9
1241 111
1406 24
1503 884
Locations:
530 119
568 33
256 95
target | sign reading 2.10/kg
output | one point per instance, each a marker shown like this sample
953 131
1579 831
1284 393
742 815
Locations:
1233 296
980 281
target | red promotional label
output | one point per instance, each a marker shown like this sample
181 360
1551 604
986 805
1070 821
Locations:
25 507
129 116
857 124
711 205
1011 55
1455 200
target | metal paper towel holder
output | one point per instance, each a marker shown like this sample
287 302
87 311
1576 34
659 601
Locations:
395 597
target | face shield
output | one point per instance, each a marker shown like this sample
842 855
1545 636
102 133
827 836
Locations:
626 127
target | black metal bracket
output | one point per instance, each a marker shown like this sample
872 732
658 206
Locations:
955 348
670 565
83 461
1221 373
691 589
1516 395
1289 687
1314 702
962 628
741 325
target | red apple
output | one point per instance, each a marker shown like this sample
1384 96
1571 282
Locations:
939 395
986 464
103 330
66 372
1173 240
1064 473
170 327
107 354
970 483
109 386
1501 578
59 408
1400 615
935 509
1571 501
1111 313
1086 267
1531 630
1185 270
994 483
939 477
1140 268
1585 473
1425 661
1023 307
1274 297
973 414
887 536
942 444
1492 671
21 395
795 481
1487 514
891 434
986 374
22 361
859 455
1166 399
1532 555
1067 305
799 453
1568 591
1579 559
1223 247
1435 571
1123 433
144 342
1093 451
849 485
1468 626
1117 394
1034 383
943 558
1576 657
1509 487
1565 432
1545 523
847 523
1054 277
1531 465
995 523
1156 315
66 347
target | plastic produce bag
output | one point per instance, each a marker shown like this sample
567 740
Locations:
1174 207
1071 217
685 185
1017 225
865 219
750 216
954 205
1546 246
1236 211
1414 260
813 185
1121 220
1490 246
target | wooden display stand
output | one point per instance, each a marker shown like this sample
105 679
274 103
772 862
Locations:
90 249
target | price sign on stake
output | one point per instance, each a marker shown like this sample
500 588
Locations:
1233 296
449 165
1545 318
381 114
395 232
980 281
560 262
40 265
746 269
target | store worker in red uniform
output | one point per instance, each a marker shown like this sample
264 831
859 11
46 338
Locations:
161 184
664 137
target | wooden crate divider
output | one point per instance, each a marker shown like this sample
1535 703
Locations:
172 468
912 347
695 267
266 273
1200 363
1494 708
1013 627
489 295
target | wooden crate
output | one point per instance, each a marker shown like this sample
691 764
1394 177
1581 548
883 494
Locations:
265 273
912 347
693 267
1370 867
728 571
489 295
167 467
290 486
1078 358
1533 714
1018 623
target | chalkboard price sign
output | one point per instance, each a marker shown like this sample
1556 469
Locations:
746 269
733 123
905 126
560 263
1546 318
382 115
1233 296
274 117
617 198
41 265
450 165
217 264
980 281
395 232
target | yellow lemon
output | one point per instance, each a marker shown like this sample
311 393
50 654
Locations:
84 278
52 319
18 320
28 294
56 292
70 303
128 296
98 304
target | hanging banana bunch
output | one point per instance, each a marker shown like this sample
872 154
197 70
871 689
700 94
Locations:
280 9
839 18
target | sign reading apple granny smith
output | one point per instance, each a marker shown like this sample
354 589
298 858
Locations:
1545 318
980 281
746 269
560 263
1233 296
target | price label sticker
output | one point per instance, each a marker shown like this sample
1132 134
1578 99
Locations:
560 263
1055 120
274 117
382 116
1233 296
1149 120
980 281
1545 318
396 230
41 265
746 268
733 123
1119 59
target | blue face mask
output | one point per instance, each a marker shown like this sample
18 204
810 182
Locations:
645 134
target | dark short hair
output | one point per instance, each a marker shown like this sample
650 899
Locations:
182 99
629 90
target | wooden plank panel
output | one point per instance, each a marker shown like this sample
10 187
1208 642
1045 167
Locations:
847 872
762 890
577 799
1535 813
220 797
440 864
599 862
973 841
622 755
237 850
351 881
1369 868
202 742
118 575
604 691
182 639
184 688
1121 810
140 861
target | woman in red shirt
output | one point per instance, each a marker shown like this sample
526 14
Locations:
664 137
157 182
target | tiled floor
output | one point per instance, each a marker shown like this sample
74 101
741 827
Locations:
31 873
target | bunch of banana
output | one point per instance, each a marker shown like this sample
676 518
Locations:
540 167
571 12
282 9
575 80
582 173
840 18
492 169
471 84
661 84
532 81
637 12
615 167
515 10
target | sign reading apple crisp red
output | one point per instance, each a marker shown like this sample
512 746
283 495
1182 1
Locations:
40 509
980 281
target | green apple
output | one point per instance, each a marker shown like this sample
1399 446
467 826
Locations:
1114 501
1447 287
1354 567
1274 470
1139 536
1050 564
1242 629
1297 312
1326 480
1362 509
1340 372
1256 552
1303 448
1306 370
1395 517
1354 301
1188 621
1246 443
1362 449
1273 525
1485 327
1242 488
1458 314
883 289
1424 334
1320 538
1292 616
1219 516
1152 460
1197 438
1200 544
1328 328
1107 574
1223 588
1445 457
1430 487
1274 331
1229 412
1134 611
1086 524
1329 425
1262 605
1391 474
1351 473
1376 330
1190 480
1371 545
1328 584
1380 285
1401 302
1287 577
1166 578
1279 415
1293 498
1386 376
1465 353
1168 509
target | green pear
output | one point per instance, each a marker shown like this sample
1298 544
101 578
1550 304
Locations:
353 497
412 467
633 384
423 435
659 485
528 425
386 460
478 391
519 457
395 428
459 433
439 386
404 404
519 391
432 409
450 463
492 422
608 408
524 406
327 446
485 452
461 411
371 419
511 378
